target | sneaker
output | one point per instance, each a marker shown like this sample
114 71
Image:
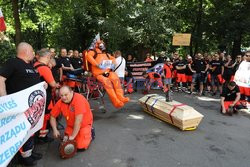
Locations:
29 161
36 156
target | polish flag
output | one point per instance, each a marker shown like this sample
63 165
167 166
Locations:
2 23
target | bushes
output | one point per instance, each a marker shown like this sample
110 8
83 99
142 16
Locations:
7 50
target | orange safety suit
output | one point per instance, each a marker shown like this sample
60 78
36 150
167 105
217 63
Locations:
78 105
154 76
107 77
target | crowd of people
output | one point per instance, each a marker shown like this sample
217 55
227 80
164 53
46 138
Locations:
204 74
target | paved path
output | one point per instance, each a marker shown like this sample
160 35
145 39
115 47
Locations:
131 138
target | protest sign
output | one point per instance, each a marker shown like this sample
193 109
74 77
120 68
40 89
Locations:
242 75
137 68
180 39
21 115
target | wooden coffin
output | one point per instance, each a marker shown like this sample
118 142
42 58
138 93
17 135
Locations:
175 113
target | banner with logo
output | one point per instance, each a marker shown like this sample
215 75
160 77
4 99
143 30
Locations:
158 68
242 75
21 115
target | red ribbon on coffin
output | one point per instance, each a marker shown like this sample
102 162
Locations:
173 109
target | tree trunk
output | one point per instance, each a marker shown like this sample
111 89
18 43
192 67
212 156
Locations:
17 22
198 41
237 45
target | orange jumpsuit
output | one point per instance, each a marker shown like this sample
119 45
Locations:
111 81
78 105
154 76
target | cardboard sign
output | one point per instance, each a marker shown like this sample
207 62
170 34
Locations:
180 39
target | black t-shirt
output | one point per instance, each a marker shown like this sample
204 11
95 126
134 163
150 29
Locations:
19 75
230 95
175 62
66 62
76 62
199 65
55 70
180 64
218 66
58 62
228 71
236 66
188 71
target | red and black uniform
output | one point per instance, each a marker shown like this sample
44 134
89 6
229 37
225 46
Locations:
76 62
216 77
66 62
128 82
174 71
230 96
47 76
228 72
167 70
188 72
181 77
199 66
19 76
78 105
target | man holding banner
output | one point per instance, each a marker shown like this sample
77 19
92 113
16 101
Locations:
18 74
242 79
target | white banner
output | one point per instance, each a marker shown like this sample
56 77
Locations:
242 75
21 115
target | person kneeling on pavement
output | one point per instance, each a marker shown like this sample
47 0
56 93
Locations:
230 98
79 119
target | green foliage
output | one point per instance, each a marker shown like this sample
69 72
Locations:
7 50
132 26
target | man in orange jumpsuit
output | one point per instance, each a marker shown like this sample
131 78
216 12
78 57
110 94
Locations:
79 119
46 75
102 65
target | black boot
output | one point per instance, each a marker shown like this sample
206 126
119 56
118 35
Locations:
230 111
43 140
28 161
36 156
169 96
